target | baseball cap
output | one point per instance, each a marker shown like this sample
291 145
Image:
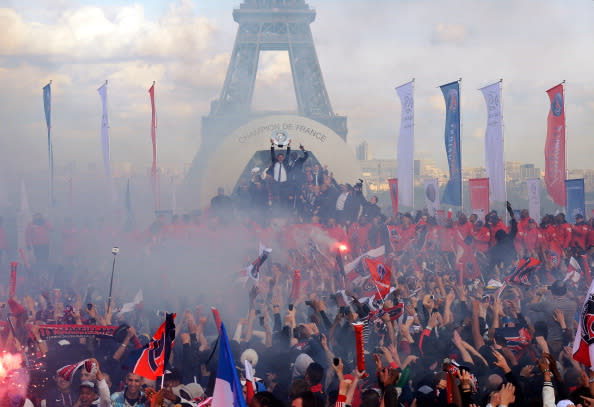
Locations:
88 384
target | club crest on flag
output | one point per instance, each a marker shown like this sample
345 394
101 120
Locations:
453 99
557 104
588 321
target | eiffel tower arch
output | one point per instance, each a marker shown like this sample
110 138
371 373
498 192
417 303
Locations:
267 25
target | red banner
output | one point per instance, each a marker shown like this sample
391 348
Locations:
479 196
555 146
393 182
13 279
75 331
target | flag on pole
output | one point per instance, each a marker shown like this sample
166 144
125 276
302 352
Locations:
555 146
479 196
432 195
453 190
583 349
131 306
47 107
253 269
533 186
249 382
227 389
152 362
574 270
494 142
154 180
576 198
105 131
380 277
406 147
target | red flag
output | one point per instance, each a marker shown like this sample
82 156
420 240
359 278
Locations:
296 287
380 276
217 317
153 359
13 279
393 182
555 146
154 140
479 196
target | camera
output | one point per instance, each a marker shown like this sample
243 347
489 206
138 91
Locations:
115 250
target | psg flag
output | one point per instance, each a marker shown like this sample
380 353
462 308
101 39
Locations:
153 359
380 277
227 389
583 349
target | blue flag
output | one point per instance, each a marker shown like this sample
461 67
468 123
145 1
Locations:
47 107
227 390
576 198
453 190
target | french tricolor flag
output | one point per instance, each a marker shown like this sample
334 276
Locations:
227 390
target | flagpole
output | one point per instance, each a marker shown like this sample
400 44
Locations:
503 146
413 158
565 152
115 252
460 144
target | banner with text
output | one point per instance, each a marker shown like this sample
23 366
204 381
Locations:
555 146
406 145
453 190
105 130
479 196
494 142
533 187
47 108
432 195
576 198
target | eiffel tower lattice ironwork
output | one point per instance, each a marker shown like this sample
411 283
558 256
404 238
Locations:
278 25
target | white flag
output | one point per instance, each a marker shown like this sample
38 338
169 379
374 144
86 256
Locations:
406 145
533 186
131 306
494 142
431 192
105 129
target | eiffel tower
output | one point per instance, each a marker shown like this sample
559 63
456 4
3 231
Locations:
267 25
270 25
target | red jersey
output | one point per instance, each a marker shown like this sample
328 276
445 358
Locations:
564 233
579 235
481 237
465 229
552 241
406 235
534 240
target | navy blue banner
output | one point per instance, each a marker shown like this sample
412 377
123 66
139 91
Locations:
47 108
453 190
576 198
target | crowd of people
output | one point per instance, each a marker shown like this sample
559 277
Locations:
477 312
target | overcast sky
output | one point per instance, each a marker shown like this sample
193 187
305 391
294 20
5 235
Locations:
365 48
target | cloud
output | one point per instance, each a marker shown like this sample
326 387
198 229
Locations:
186 48
443 32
